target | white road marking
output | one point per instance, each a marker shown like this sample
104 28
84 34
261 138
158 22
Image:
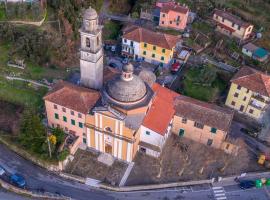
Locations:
221 198
219 193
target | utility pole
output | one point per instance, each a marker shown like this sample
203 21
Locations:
49 146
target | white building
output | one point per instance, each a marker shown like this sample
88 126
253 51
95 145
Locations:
130 48
91 60
157 123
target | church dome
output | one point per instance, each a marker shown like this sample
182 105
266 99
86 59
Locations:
90 14
126 88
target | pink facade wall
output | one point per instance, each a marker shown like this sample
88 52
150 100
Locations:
66 126
170 20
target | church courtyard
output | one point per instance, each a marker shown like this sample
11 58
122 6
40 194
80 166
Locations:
178 163
86 164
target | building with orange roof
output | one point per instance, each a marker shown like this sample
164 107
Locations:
151 46
157 123
232 25
173 16
67 106
249 92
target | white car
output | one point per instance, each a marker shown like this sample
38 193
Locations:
2 171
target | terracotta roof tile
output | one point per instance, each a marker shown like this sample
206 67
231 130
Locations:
161 112
74 97
205 113
232 18
253 80
175 8
139 34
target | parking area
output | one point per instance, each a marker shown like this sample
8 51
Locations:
86 164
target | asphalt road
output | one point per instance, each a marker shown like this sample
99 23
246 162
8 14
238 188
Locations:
38 178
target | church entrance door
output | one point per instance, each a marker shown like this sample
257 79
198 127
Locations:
108 148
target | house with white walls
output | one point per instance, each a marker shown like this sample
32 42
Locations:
156 125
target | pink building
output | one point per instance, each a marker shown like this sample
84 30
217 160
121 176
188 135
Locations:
161 3
67 106
173 16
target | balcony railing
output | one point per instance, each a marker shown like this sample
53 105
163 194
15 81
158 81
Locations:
260 98
254 105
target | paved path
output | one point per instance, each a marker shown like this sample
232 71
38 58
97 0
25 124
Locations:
38 178
28 80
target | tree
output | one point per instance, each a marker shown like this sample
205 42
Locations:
32 132
59 134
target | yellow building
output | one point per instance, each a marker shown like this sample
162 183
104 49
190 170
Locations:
113 125
231 25
202 122
249 92
153 47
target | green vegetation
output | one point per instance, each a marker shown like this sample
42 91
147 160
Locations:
22 11
120 6
33 137
21 93
32 132
202 27
111 30
203 83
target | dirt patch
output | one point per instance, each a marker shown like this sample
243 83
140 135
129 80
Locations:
9 117
183 160
85 164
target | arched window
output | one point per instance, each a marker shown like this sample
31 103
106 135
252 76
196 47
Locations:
87 41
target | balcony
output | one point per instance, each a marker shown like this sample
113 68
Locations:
260 98
256 105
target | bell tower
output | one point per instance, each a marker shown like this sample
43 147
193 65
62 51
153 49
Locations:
91 52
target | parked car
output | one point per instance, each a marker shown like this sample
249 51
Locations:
113 65
113 48
175 67
252 132
18 180
247 184
125 61
2 171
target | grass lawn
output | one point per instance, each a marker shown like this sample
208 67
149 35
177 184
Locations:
21 93
200 92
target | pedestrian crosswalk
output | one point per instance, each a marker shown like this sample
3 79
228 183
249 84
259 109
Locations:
219 193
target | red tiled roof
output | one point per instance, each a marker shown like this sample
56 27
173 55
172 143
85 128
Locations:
139 34
74 97
253 80
202 112
175 8
161 112
232 18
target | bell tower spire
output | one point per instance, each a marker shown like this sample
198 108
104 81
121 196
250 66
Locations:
91 52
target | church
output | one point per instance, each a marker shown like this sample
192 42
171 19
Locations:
128 113
112 116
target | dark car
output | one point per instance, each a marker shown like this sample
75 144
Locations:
113 65
247 184
18 180
251 132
